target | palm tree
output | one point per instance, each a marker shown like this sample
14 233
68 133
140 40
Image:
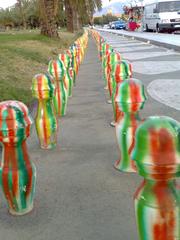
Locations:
48 13
20 5
80 11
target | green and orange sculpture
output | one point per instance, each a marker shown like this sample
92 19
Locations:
120 71
66 59
17 172
57 70
43 89
130 98
112 58
157 200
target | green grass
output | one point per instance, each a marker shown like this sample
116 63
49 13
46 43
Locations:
24 54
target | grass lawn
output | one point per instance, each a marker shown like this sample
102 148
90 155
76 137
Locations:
24 54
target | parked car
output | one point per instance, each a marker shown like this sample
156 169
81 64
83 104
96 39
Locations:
118 25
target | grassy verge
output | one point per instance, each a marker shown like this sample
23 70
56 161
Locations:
24 54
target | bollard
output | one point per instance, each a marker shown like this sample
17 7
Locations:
72 69
106 48
112 58
120 71
65 58
157 200
101 41
130 98
46 123
56 69
105 65
74 57
17 173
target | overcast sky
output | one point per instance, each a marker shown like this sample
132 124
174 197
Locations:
7 3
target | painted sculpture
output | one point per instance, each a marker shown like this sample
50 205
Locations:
130 98
17 172
106 48
101 41
105 65
56 69
157 200
112 58
46 123
120 71
74 58
72 68
65 58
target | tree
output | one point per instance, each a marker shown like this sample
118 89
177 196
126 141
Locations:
21 9
79 12
48 14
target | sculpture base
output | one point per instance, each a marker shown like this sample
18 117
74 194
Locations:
113 124
118 166
50 146
109 101
23 212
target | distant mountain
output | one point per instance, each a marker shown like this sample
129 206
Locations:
114 8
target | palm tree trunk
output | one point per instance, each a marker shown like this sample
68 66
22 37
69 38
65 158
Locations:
19 2
69 16
48 18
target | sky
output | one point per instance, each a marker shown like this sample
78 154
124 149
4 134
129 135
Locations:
8 3
106 2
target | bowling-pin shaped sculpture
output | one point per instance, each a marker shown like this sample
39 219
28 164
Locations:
43 89
105 65
74 58
130 98
112 58
65 58
101 41
78 53
157 200
106 48
120 71
17 172
72 68
57 70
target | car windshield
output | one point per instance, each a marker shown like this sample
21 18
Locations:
173 6
119 22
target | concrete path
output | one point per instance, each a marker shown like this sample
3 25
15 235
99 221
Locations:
79 195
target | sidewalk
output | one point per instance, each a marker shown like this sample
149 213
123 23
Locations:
79 195
166 40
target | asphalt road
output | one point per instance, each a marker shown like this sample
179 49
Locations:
79 195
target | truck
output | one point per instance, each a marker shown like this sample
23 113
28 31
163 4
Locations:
162 15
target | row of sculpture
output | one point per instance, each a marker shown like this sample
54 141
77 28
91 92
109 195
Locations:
150 147
52 89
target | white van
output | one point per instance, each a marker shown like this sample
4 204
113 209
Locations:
160 15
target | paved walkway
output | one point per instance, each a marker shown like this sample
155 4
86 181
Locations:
167 40
157 67
79 195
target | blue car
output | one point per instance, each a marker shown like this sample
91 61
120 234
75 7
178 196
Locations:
118 25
